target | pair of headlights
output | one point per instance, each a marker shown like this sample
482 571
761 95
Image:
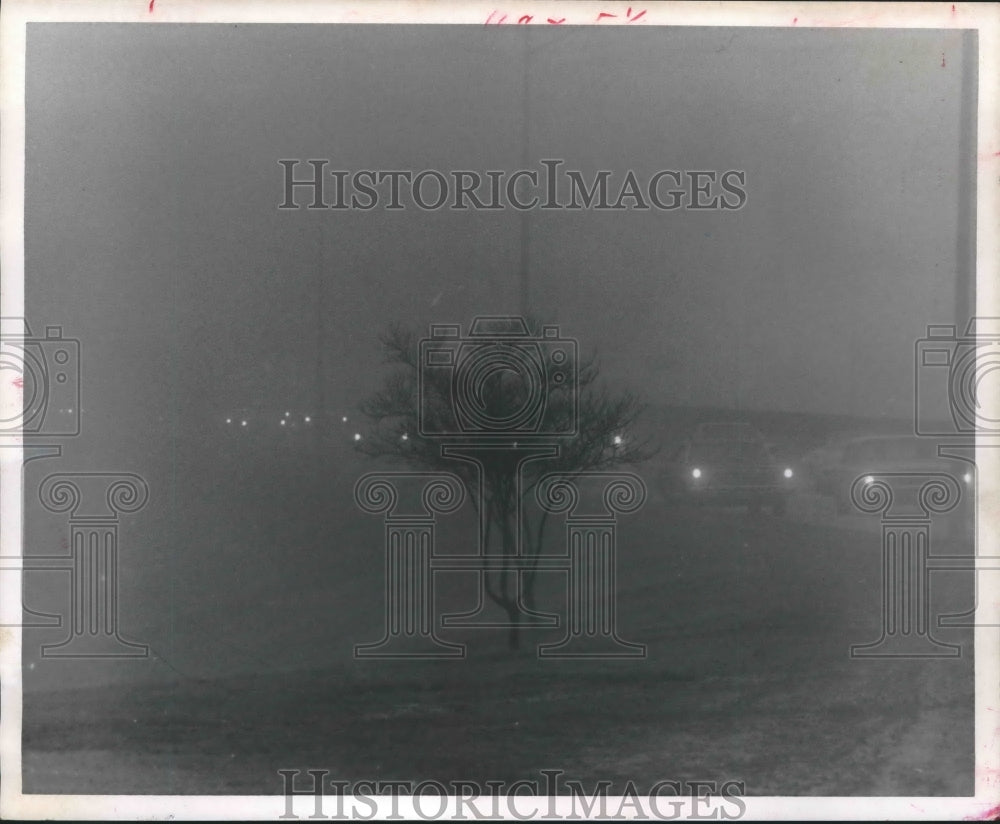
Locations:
967 477
696 472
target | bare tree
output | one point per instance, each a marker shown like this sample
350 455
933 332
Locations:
603 436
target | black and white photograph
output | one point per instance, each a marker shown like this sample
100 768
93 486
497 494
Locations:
499 410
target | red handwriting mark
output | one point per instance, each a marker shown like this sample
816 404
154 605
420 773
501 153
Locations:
151 4
795 20
943 64
18 382
496 17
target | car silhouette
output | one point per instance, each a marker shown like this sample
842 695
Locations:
728 465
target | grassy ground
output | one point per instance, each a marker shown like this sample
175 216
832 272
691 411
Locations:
748 623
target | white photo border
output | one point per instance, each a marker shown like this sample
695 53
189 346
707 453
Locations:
984 18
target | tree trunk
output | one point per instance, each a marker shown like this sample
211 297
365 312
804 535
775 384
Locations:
512 600
533 549
528 584
514 633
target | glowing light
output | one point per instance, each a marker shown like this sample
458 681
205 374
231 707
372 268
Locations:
243 423
869 480
696 473
788 472
405 437
344 419
283 421
357 436
288 414
967 477
308 419
618 440
229 420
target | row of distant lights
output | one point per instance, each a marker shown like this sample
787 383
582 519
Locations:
285 420
618 440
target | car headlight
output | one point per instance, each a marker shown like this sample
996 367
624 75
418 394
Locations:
696 473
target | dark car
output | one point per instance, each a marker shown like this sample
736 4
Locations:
729 471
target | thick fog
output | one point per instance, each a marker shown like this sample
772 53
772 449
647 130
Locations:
153 236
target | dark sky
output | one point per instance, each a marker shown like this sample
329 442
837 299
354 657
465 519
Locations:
153 233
